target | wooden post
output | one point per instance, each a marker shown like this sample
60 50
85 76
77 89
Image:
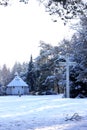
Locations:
67 78
67 64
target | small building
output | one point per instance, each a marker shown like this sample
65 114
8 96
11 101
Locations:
17 87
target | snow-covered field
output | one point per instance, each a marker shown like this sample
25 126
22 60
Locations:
42 113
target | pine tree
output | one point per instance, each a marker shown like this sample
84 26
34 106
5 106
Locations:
5 75
79 74
66 10
30 77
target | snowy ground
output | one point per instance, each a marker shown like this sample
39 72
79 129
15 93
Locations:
42 113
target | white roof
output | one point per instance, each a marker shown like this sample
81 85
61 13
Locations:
17 81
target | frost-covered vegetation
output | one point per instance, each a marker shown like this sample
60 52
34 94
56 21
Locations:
44 74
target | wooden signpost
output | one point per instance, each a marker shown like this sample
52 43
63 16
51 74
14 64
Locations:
67 64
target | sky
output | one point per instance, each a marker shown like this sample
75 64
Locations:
22 27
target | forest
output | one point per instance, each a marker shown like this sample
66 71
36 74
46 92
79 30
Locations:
44 74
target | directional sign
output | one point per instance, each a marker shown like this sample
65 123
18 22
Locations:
67 64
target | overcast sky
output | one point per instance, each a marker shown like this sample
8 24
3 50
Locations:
22 27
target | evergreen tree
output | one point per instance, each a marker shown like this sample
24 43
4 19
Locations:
16 68
78 75
30 77
21 69
46 65
65 9
5 75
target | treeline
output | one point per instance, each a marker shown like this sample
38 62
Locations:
44 74
7 74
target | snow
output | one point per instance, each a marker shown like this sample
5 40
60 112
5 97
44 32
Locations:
17 81
42 113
